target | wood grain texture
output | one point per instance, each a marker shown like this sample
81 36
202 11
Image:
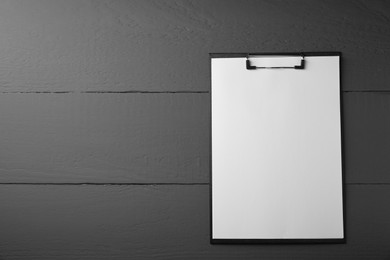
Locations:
152 138
73 46
160 222
104 137
367 139
154 45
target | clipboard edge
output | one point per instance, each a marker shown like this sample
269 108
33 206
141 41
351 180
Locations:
244 54
218 241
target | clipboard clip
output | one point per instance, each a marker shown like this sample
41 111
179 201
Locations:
297 67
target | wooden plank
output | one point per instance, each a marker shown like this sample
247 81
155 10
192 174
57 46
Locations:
104 138
151 137
160 222
367 139
154 45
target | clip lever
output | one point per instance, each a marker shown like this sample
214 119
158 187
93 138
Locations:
297 67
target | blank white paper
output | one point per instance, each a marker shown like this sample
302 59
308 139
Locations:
276 149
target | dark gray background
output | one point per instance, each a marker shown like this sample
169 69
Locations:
104 122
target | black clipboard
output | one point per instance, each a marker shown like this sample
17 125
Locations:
302 65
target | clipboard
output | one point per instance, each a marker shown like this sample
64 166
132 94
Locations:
276 166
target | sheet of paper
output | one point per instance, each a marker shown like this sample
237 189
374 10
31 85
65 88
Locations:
276 149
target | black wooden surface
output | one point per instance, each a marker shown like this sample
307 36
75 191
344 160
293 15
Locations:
106 92
161 222
105 138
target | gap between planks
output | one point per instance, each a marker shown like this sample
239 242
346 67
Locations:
106 92
102 184
148 184
365 91
154 92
